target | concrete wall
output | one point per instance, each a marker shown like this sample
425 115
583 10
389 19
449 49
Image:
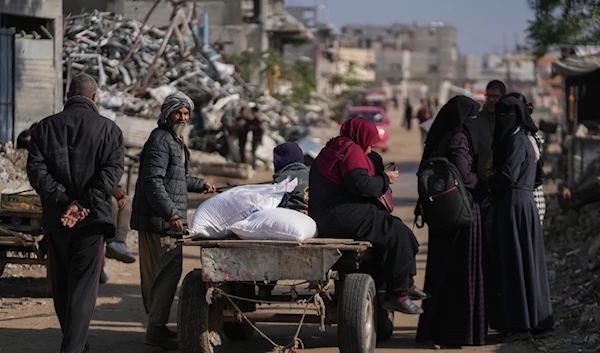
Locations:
39 75
392 65
469 67
439 42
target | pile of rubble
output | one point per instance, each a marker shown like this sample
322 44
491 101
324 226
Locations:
572 253
137 65
13 170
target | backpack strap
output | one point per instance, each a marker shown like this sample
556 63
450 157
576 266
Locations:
344 150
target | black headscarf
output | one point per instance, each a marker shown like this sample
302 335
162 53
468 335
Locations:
511 113
455 116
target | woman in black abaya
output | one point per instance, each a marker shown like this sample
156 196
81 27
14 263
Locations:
455 313
520 297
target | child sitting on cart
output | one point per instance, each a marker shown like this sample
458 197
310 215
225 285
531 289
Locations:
288 160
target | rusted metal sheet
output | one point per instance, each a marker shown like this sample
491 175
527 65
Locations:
267 264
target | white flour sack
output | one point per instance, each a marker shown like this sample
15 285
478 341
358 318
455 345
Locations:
214 216
276 224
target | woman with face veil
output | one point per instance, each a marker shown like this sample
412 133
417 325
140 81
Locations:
454 315
520 299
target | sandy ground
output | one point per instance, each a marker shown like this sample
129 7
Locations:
28 323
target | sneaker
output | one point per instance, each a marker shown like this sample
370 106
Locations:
118 250
405 306
161 336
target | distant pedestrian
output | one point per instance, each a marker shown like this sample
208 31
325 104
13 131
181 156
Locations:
242 128
455 313
258 131
520 296
159 214
75 163
408 112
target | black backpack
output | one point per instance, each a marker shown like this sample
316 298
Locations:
444 202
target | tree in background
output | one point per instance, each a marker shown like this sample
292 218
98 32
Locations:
563 22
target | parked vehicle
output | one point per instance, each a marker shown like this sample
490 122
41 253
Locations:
376 115
375 98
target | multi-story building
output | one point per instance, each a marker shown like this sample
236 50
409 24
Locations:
419 53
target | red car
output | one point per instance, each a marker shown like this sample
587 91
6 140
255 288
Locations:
376 115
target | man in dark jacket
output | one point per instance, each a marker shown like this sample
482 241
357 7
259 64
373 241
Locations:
288 160
75 162
159 214
485 124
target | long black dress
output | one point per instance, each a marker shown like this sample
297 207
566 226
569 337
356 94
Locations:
520 299
455 313
350 210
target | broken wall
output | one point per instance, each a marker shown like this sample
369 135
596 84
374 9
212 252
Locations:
38 90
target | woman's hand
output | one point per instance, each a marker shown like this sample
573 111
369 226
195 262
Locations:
393 175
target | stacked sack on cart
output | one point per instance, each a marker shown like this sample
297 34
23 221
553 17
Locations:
251 213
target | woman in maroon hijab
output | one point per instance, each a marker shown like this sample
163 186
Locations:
344 187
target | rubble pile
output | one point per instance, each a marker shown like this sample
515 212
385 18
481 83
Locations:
135 75
573 256
13 170
137 66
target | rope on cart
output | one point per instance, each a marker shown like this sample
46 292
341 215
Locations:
296 342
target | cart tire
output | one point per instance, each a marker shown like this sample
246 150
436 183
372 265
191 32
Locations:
2 257
237 331
199 325
356 314
385 322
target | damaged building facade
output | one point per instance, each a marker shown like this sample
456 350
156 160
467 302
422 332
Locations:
234 25
30 64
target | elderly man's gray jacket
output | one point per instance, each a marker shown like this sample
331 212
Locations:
163 183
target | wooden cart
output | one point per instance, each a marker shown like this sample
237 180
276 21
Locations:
22 238
21 230
220 296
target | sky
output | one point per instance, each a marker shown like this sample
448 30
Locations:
483 25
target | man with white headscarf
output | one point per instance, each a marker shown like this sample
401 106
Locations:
159 214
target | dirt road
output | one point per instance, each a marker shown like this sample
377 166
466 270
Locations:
28 323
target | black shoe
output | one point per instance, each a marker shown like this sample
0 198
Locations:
172 334
405 306
540 334
161 336
516 337
118 250
417 294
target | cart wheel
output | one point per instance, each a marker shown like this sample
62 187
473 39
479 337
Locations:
2 257
356 314
385 322
199 325
237 331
